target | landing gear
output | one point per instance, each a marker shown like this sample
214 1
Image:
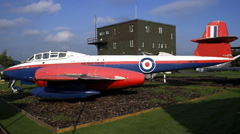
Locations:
15 89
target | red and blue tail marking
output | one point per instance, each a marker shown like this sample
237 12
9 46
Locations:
215 41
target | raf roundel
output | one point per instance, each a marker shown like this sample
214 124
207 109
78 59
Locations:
147 65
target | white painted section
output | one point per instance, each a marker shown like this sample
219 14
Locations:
73 57
211 31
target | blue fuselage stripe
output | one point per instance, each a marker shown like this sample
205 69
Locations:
26 74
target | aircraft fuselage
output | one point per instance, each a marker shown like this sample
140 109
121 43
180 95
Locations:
143 63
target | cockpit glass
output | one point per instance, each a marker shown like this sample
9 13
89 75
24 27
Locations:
38 56
45 55
62 54
31 58
54 55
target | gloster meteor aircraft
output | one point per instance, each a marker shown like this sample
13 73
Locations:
64 75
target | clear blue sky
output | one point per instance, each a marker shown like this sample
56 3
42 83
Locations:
31 26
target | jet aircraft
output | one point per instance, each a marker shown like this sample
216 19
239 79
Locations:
65 75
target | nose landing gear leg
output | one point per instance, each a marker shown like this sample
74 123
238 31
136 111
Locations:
15 89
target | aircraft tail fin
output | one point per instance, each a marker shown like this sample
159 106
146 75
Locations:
215 41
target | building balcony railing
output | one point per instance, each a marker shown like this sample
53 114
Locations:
92 40
95 41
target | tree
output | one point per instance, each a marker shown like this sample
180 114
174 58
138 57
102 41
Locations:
5 60
236 63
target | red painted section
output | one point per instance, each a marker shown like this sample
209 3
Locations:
207 34
99 77
223 39
78 63
41 83
215 41
214 50
221 29
56 78
132 79
147 64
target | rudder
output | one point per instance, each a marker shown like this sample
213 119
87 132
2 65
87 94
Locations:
215 41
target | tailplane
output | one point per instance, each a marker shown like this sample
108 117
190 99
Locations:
215 41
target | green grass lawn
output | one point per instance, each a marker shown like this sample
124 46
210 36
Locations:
24 87
14 122
216 114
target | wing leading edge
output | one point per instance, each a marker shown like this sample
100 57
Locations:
75 77
76 72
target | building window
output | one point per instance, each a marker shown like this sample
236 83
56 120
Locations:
171 36
165 45
101 33
153 45
114 31
114 45
131 43
147 29
107 32
160 30
131 27
142 44
159 45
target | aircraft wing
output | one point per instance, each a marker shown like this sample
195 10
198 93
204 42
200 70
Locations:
75 72
77 81
75 77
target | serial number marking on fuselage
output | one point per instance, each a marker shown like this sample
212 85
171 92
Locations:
92 63
195 61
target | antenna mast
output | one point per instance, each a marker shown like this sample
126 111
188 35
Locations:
135 12
95 26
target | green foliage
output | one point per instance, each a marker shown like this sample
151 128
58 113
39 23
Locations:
5 60
236 63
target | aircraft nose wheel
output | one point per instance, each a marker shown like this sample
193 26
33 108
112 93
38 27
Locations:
15 89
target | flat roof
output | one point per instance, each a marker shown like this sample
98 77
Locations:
135 20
